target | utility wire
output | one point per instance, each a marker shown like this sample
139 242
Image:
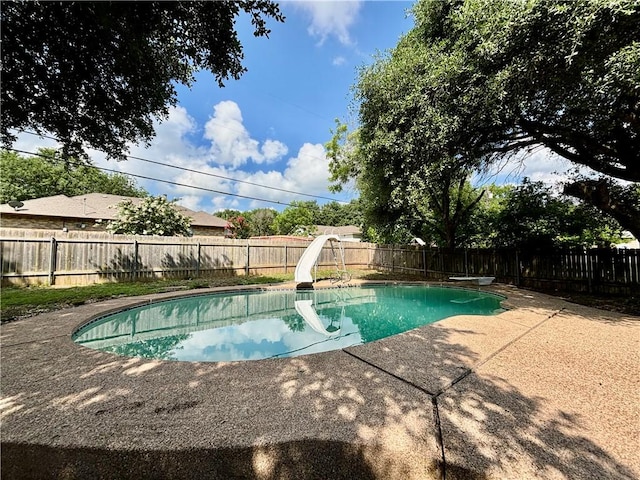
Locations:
165 181
206 173
229 178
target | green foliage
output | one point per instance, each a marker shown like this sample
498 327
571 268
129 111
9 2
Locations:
476 81
45 175
152 216
532 216
541 72
238 227
296 219
260 221
97 73
228 213
619 201
507 76
342 151
338 214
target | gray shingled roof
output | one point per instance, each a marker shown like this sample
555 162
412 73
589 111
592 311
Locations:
96 206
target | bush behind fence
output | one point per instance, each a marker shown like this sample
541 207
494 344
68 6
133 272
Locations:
79 258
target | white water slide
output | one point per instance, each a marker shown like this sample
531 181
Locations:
310 256
305 310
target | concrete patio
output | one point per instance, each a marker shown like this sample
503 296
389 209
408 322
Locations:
545 390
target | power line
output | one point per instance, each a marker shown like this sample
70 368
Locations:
166 181
200 172
230 178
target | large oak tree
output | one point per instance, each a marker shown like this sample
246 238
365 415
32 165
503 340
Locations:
562 75
476 81
97 73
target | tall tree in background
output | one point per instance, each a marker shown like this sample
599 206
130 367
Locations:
296 219
504 77
97 73
411 175
338 214
46 174
532 216
260 221
445 204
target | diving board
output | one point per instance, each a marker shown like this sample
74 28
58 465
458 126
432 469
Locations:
476 280
310 257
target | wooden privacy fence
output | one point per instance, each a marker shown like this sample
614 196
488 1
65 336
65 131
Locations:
79 258
606 271
69 260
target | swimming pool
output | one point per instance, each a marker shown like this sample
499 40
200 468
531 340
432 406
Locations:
255 325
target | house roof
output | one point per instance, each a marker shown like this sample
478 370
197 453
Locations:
95 206
344 230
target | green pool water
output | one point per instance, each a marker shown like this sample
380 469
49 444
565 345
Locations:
254 325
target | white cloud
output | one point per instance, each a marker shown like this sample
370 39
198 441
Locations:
338 61
192 202
273 150
331 18
542 165
169 146
230 141
307 173
310 169
32 143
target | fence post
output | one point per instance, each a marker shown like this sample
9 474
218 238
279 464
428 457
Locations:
246 270
392 260
589 270
517 269
424 261
466 263
53 253
198 261
135 260
285 259
495 263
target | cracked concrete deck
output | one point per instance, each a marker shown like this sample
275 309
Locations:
546 390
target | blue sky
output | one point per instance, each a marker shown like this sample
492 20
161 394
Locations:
269 127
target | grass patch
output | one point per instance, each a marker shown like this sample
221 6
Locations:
19 302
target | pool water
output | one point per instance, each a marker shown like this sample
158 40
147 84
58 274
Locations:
254 325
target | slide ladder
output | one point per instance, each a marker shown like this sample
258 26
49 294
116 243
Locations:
341 274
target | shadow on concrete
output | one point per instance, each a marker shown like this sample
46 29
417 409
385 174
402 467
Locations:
293 460
491 430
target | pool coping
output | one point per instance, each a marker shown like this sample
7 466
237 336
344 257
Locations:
444 399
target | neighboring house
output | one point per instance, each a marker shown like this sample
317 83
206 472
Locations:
348 232
90 212
628 241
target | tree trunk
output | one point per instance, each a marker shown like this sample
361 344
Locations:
605 197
